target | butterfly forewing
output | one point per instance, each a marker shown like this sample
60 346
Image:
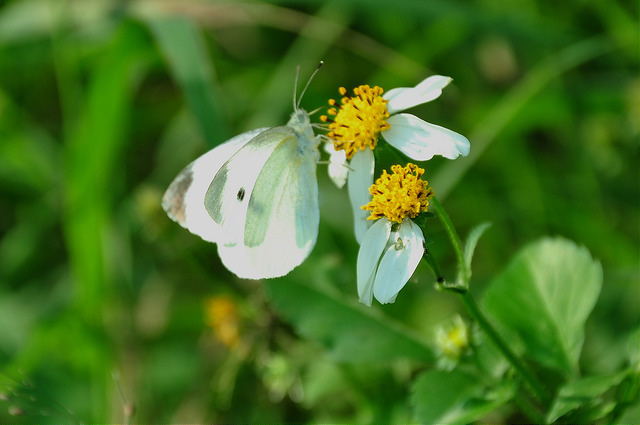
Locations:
282 218
183 200
227 198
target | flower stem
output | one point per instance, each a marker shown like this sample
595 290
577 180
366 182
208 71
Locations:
451 231
474 311
461 287
435 267
462 282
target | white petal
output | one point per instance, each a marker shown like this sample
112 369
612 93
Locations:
399 262
360 180
338 169
402 98
420 140
373 245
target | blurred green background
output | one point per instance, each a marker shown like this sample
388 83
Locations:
110 312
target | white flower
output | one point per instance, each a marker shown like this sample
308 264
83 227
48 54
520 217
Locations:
393 246
338 168
359 120
387 258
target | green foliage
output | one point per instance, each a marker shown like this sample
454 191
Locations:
185 51
455 397
471 242
544 297
586 397
541 302
351 332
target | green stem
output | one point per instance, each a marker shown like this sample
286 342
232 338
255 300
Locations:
461 287
435 267
464 275
474 311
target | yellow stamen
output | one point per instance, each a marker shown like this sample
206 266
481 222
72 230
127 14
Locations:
357 123
456 340
398 195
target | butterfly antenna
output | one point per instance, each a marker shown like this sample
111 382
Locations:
297 103
295 88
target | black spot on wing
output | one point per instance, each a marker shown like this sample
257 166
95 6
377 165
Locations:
241 194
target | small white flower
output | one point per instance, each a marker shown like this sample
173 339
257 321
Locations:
387 259
452 341
358 121
392 247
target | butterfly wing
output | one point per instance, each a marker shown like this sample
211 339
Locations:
281 226
265 198
256 196
227 198
183 200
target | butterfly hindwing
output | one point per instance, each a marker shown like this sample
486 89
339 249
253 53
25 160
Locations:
281 224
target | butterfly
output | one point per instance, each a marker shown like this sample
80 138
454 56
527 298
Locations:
255 196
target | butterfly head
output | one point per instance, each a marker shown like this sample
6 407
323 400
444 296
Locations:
301 125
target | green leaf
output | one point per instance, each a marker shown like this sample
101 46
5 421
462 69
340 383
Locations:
544 298
184 49
93 161
586 391
631 414
351 332
455 397
488 358
472 241
628 394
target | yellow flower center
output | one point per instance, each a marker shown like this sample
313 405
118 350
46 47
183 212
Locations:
359 119
398 195
453 339
456 341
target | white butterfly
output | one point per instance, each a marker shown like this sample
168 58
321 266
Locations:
256 196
